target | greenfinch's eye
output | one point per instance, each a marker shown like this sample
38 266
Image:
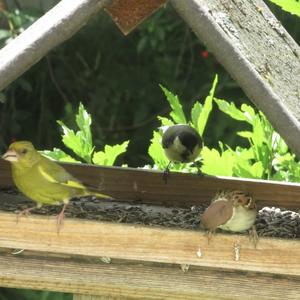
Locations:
24 151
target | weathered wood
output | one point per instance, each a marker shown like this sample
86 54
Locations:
142 281
56 26
92 297
182 190
154 244
258 53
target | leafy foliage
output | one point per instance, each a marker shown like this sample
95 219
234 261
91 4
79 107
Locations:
267 155
81 143
109 155
17 22
22 294
199 116
199 113
177 113
291 6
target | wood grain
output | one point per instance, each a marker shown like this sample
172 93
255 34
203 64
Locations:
182 190
92 297
142 281
154 244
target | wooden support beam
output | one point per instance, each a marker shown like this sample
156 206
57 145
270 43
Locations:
53 28
136 280
184 190
257 51
145 243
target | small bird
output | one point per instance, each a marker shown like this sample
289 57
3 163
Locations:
181 143
43 180
231 211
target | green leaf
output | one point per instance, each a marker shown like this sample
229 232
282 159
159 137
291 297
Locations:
215 163
243 154
249 171
249 112
195 113
258 136
156 151
278 144
4 34
177 113
58 155
291 6
165 121
81 141
207 107
231 110
109 155
84 121
245 134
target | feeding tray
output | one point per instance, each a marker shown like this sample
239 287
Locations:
149 234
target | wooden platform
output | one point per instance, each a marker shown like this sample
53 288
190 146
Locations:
149 262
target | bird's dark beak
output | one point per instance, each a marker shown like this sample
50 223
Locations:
11 155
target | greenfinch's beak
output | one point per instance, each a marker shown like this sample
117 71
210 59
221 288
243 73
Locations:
11 155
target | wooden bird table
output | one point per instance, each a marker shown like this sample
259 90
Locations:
113 260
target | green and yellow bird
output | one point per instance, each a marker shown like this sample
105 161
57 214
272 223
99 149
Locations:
43 180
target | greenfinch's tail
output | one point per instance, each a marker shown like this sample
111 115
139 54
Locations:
92 192
88 190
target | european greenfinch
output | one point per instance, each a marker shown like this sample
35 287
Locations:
43 180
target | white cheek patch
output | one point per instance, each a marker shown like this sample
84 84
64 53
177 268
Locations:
174 151
178 145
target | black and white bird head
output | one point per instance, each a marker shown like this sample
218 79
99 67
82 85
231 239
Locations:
181 143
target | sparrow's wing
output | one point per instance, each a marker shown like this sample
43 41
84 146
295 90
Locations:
218 213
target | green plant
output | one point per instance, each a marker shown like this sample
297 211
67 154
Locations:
17 21
291 6
199 116
22 294
267 155
81 143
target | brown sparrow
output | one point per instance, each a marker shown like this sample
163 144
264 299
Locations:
231 211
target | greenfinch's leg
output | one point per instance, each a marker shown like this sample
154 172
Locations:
60 218
25 212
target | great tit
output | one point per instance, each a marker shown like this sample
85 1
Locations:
181 143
